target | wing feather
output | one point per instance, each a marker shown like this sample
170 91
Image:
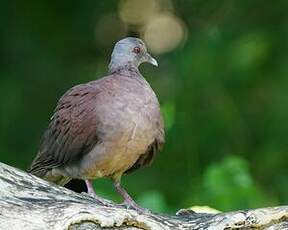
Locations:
71 132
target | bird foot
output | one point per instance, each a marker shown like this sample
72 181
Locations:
134 206
128 203
100 200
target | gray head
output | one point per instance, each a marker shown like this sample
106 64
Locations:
130 52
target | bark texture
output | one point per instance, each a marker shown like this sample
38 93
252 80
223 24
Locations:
28 202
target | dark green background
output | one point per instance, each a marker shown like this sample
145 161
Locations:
224 94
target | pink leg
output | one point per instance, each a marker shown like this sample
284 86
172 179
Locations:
92 193
128 200
90 188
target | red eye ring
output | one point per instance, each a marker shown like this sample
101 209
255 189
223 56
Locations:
136 50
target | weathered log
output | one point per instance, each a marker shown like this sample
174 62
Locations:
28 202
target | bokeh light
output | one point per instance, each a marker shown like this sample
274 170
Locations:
163 33
155 21
137 12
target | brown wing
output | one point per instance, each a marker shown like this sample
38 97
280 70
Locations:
147 158
71 132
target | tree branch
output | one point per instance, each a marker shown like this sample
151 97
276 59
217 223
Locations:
28 202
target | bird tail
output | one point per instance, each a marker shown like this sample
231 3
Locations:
37 171
42 168
49 176
75 185
47 173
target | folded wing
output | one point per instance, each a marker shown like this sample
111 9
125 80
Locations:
71 132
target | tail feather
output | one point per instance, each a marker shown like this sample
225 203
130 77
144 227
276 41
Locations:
49 175
72 184
40 172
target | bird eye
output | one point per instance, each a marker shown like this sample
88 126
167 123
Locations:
136 50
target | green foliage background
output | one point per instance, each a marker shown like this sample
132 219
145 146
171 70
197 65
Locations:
224 94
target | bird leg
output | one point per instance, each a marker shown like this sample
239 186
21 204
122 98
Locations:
91 192
90 189
128 200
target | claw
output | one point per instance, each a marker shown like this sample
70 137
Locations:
135 207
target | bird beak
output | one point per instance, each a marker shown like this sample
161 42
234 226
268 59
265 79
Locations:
150 59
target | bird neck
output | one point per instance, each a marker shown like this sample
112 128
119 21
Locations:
123 67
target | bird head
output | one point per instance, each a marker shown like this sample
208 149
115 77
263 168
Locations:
132 52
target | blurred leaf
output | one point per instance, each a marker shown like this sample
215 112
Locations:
229 185
168 111
153 200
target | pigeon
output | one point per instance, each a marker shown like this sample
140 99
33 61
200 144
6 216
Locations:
104 128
